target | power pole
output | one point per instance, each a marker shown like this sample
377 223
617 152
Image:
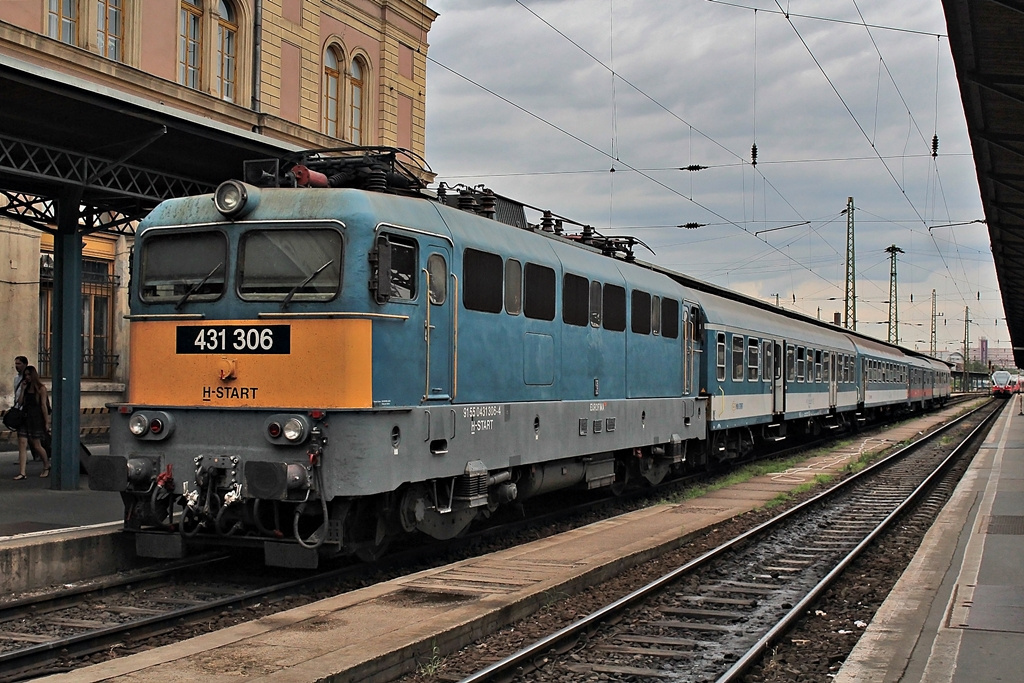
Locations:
851 281
894 318
932 347
967 345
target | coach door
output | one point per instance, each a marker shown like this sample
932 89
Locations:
778 379
833 381
438 324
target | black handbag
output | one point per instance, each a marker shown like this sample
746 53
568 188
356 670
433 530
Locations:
14 418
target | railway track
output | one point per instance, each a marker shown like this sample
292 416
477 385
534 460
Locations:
712 618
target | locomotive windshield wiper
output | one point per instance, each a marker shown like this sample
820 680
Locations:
288 297
195 288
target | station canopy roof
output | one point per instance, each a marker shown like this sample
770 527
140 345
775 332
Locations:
986 38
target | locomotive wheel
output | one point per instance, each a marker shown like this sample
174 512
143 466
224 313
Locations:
623 477
371 551
652 471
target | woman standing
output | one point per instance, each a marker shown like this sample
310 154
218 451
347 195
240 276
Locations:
37 421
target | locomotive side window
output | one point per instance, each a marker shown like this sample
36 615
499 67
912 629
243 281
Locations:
513 287
753 361
656 314
404 267
669 318
481 273
184 264
614 308
720 356
539 292
300 265
595 304
437 272
640 320
737 357
575 300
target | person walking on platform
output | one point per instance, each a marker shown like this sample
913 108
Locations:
20 363
36 405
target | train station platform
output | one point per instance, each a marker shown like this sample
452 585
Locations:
957 613
31 506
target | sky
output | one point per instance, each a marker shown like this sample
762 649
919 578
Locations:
540 99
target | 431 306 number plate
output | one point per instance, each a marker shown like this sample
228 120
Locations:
233 339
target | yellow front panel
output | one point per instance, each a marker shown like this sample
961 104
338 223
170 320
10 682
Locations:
252 363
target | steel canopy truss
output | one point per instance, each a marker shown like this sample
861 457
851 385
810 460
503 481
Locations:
115 194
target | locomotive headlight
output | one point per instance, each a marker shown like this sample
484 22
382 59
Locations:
294 429
235 199
138 424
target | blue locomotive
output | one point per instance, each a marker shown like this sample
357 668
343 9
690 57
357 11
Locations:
328 357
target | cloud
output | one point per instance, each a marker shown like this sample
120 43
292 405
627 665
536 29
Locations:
836 111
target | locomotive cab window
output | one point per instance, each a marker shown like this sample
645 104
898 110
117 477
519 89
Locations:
183 265
640 320
539 292
613 308
290 265
437 279
575 300
595 304
670 318
481 272
403 271
513 287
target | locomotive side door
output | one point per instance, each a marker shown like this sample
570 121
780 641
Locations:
438 325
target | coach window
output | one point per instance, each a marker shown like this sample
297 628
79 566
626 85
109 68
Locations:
753 361
817 366
595 304
289 265
790 364
180 267
800 363
640 320
513 287
481 274
720 356
737 357
826 371
613 308
767 360
539 292
575 300
669 318
656 315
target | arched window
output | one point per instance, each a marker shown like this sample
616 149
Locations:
227 51
190 43
356 89
332 91
110 29
62 21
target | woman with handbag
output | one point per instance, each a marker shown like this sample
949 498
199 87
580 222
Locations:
36 422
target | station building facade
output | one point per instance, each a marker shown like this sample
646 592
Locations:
309 73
